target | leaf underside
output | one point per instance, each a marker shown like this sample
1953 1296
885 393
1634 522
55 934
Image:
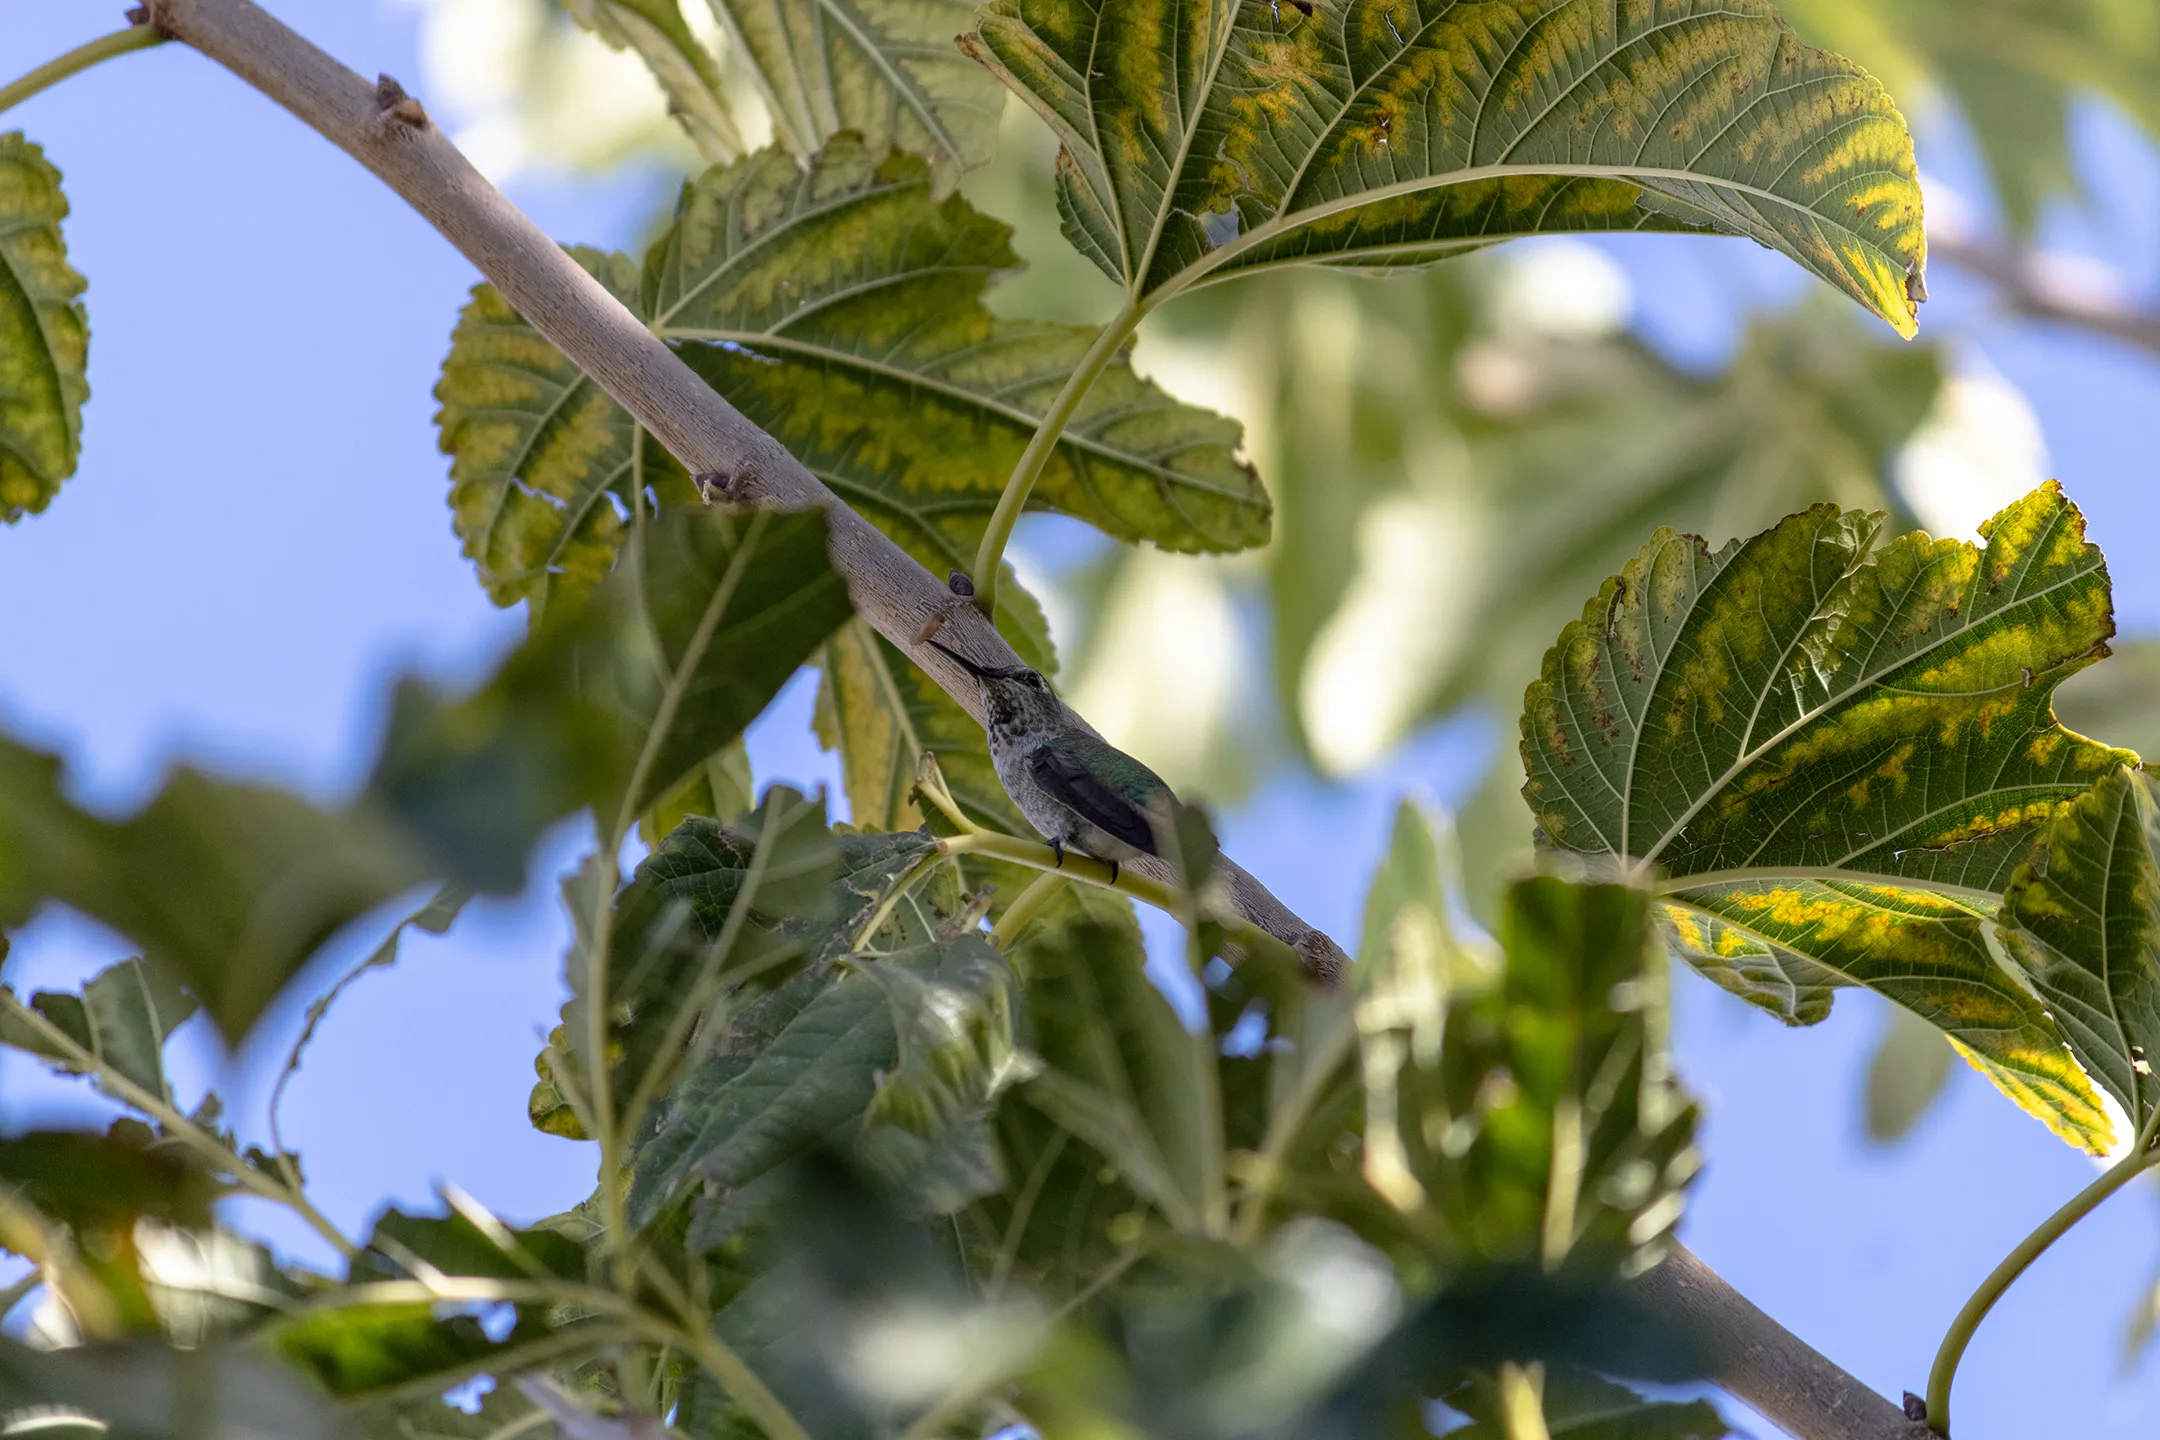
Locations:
840 309
1807 719
2083 917
1203 140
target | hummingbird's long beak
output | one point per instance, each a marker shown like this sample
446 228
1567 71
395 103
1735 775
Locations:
980 672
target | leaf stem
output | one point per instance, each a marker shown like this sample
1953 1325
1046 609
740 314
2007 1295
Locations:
179 1126
2140 1159
1031 902
1043 443
82 57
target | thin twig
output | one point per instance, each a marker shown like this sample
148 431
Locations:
178 1125
81 58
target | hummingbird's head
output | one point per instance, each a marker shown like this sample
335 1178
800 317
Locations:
1015 698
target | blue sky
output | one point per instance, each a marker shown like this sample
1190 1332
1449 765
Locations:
258 540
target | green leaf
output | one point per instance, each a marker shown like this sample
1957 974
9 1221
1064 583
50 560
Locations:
44 334
107 1182
840 308
687 73
456 1244
1906 1075
805 1068
1121 1073
237 1393
122 1018
2013 69
1582 1406
1837 751
1544 1122
1205 142
2082 915
232 886
622 702
713 909
543 462
373 1349
886 69
928 1128
504 1414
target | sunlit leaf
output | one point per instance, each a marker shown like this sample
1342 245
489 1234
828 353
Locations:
1202 142
2013 68
886 69
363 1350
839 308
2083 916
1539 1120
44 334
685 70
1794 726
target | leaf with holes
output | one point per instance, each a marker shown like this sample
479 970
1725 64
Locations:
44 334
1836 749
1210 140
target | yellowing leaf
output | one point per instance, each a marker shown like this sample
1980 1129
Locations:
1837 751
886 69
2083 916
44 334
840 308
1203 140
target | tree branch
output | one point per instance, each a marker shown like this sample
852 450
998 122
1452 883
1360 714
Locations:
2029 286
1756 1359
389 133
1759 1361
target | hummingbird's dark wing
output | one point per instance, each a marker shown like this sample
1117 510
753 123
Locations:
1071 784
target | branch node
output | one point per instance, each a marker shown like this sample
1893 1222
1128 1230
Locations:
392 101
959 583
715 485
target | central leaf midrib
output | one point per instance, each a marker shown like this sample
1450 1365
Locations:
1292 220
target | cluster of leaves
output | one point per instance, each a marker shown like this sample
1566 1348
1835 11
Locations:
865 1168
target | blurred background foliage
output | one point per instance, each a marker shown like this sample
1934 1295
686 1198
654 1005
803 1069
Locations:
1458 457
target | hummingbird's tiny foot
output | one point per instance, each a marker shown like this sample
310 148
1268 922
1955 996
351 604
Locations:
1057 848
1113 872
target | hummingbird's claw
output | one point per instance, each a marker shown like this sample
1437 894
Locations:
1057 848
1113 872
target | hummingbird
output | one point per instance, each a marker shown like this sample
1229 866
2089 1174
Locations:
1079 790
